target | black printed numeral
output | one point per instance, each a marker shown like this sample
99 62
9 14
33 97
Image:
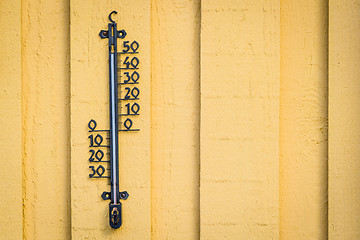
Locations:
96 156
134 62
134 92
134 77
132 108
98 172
95 141
128 123
133 46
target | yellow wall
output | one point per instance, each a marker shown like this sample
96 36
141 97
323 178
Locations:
45 114
239 129
344 115
89 100
175 119
235 99
11 222
303 120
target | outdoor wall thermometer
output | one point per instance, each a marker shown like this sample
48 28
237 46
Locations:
123 96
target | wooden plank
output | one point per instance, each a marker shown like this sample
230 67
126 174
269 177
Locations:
239 136
344 116
303 120
89 100
45 119
175 119
10 114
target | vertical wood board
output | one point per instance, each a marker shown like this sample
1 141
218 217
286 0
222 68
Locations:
11 223
344 117
239 134
175 119
45 119
90 100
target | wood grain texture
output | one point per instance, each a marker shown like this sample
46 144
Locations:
175 118
239 135
234 119
344 116
89 100
45 119
11 222
303 120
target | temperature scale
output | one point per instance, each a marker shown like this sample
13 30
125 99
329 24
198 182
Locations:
124 108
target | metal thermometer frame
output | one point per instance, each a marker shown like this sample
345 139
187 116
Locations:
115 216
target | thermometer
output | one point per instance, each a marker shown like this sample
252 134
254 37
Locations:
122 111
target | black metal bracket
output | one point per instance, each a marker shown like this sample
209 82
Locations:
105 33
122 195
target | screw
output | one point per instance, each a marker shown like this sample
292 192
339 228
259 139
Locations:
105 33
123 195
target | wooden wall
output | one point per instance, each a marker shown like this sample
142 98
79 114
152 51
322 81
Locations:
249 119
